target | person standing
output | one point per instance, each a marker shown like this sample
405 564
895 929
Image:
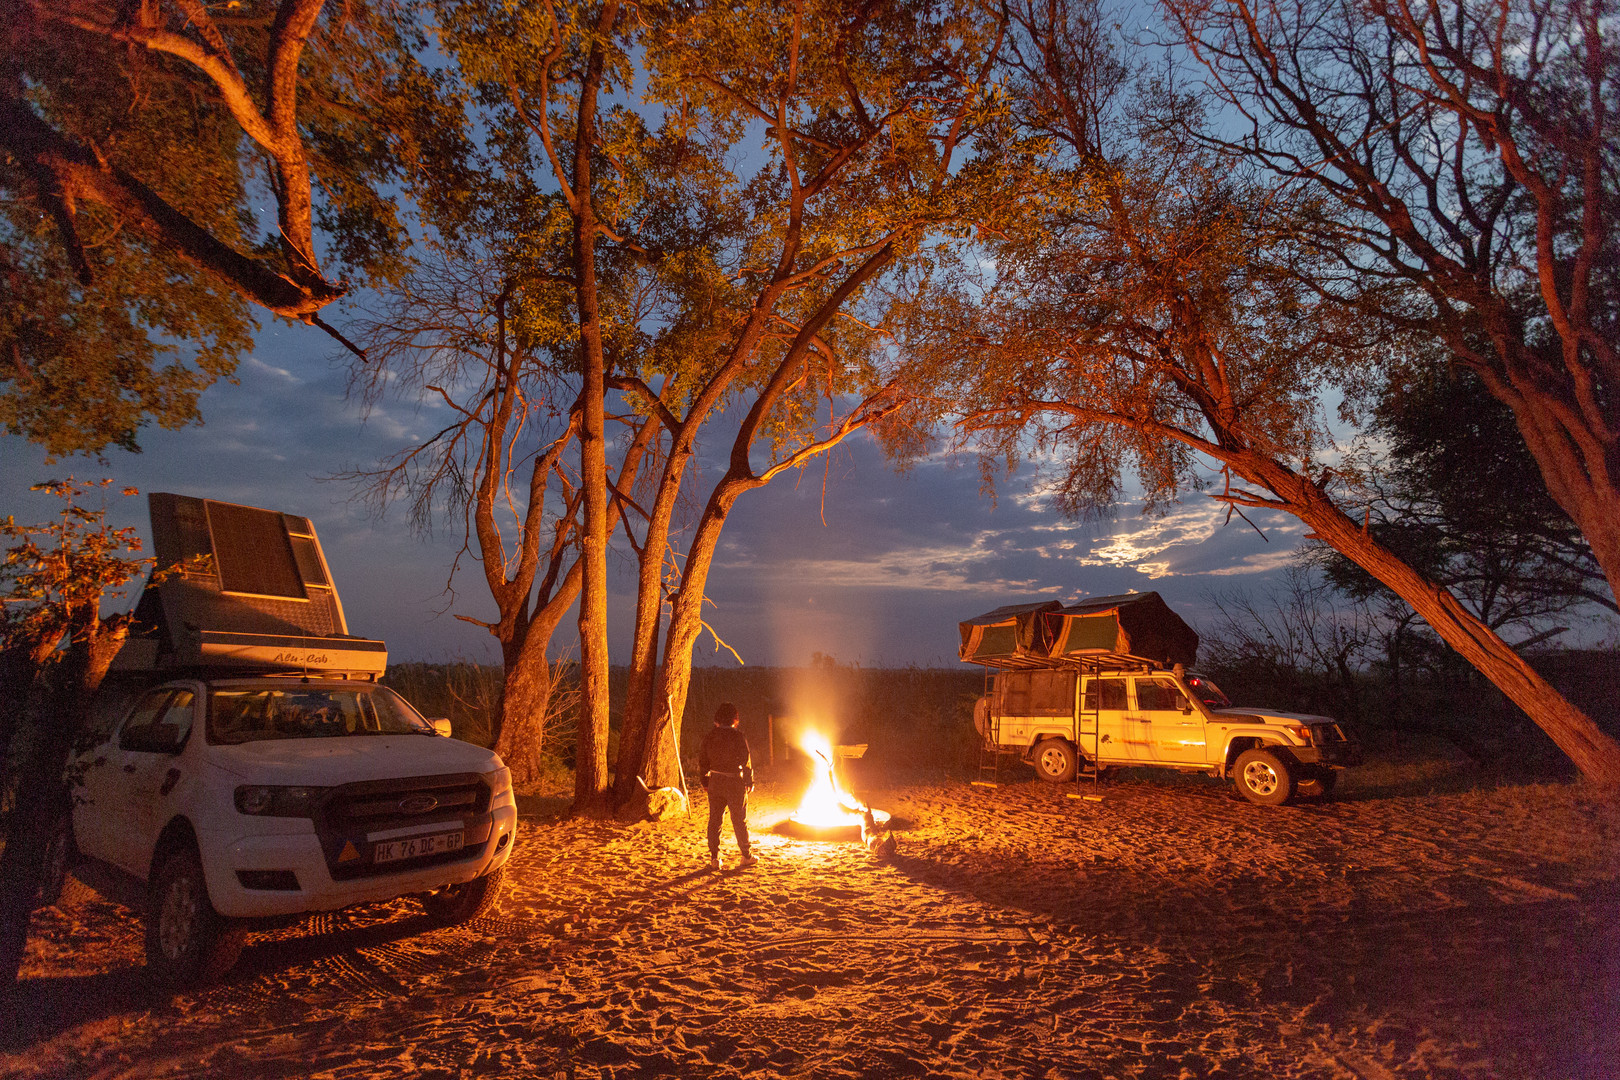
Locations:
726 771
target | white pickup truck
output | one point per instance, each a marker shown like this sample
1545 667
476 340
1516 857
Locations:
1169 718
234 799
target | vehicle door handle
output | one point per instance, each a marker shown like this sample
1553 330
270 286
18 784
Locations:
130 767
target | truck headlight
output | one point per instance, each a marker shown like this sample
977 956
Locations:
1304 733
263 800
499 781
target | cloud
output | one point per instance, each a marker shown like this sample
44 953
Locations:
1182 527
1263 563
254 366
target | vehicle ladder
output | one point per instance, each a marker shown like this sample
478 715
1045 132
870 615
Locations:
1091 710
990 750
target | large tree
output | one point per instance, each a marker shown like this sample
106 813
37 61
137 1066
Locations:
731 248
169 166
470 338
1462 157
1156 316
851 132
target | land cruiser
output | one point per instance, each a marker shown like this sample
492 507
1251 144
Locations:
1078 690
258 769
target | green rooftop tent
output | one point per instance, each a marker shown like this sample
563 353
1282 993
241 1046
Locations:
1136 628
1133 627
997 638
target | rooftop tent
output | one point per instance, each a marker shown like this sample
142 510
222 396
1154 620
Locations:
999 638
1134 627
246 588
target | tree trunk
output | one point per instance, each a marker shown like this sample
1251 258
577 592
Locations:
55 715
643 709
525 708
1581 468
590 759
40 796
1593 752
659 766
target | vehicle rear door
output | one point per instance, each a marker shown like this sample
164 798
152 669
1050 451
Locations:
1173 730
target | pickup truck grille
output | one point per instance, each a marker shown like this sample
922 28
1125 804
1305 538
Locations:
354 812
390 804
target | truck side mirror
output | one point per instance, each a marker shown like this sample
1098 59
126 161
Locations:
441 725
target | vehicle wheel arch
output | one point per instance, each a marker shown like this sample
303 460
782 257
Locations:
178 833
1038 737
1236 745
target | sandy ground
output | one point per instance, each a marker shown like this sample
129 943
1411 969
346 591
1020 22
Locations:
1166 930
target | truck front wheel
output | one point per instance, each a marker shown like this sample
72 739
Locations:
188 943
470 900
1263 777
1316 784
1055 760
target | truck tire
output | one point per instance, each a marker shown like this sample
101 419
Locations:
455 904
60 855
1316 784
188 943
1055 760
1263 777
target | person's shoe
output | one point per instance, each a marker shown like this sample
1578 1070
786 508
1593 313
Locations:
748 860
714 862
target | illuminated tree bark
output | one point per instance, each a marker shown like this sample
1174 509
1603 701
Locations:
590 764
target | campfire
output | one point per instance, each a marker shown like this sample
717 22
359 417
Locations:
827 811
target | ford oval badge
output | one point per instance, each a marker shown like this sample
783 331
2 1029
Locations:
417 804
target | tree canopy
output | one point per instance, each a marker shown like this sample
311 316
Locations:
168 167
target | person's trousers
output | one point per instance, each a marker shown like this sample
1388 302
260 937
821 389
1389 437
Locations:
728 793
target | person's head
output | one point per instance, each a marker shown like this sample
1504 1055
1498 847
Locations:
725 715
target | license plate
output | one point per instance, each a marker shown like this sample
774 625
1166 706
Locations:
413 847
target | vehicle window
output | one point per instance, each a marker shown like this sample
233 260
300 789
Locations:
254 714
1159 694
1112 694
1037 693
160 724
1208 692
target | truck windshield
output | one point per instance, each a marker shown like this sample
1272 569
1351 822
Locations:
1208 692
253 714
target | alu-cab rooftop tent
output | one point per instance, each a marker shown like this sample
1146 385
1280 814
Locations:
247 589
1135 628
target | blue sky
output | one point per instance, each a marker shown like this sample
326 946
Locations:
873 567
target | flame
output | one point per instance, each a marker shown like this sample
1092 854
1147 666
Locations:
826 804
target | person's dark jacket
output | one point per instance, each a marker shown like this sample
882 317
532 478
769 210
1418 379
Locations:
725 753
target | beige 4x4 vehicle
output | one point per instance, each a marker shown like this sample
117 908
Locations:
1105 683
1167 718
